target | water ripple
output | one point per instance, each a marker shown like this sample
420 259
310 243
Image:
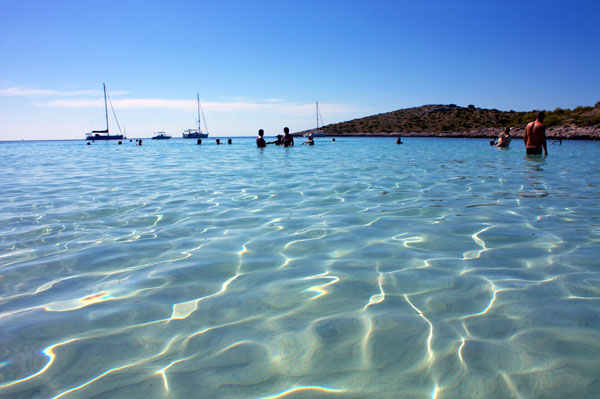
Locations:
436 269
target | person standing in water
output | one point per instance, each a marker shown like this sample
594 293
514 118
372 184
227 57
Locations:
535 136
260 141
288 139
505 138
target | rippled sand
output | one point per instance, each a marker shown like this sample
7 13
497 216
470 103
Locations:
441 268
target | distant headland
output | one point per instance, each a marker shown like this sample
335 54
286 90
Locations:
581 123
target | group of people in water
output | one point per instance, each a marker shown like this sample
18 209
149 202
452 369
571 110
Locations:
534 137
285 139
503 140
217 141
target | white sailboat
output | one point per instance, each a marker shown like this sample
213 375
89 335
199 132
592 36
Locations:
196 133
319 118
105 134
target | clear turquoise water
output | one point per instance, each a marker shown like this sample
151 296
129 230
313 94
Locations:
441 268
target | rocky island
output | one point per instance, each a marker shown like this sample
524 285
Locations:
581 123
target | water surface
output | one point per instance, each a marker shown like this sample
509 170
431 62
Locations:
440 268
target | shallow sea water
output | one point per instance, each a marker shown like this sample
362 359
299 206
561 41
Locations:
441 268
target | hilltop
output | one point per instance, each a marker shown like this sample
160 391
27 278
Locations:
455 121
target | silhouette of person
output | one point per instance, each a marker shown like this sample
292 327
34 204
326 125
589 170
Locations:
310 140
288 139
260 141
277 141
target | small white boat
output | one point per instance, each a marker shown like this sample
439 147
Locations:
160 136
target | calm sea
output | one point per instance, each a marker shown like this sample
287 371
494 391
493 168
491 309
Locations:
440 268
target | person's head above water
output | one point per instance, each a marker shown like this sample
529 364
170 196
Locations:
261 132
540 116
286 130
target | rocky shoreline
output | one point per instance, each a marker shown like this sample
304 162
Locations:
451 120
555 132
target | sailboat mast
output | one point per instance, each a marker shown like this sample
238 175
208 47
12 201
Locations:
198 98
317 117
106 108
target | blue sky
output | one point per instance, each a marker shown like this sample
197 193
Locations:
263 64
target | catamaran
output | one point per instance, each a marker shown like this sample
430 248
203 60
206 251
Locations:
105 134
196 133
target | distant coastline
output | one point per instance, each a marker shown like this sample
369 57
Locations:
581 123
558 132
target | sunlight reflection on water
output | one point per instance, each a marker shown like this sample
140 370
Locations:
440 268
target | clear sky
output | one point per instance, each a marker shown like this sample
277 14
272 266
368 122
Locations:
263 64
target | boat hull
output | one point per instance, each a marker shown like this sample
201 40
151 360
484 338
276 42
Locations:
105 137
161 137
195 135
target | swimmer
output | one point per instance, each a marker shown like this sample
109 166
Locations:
260 141
278 141
310 140
288 139
504 139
